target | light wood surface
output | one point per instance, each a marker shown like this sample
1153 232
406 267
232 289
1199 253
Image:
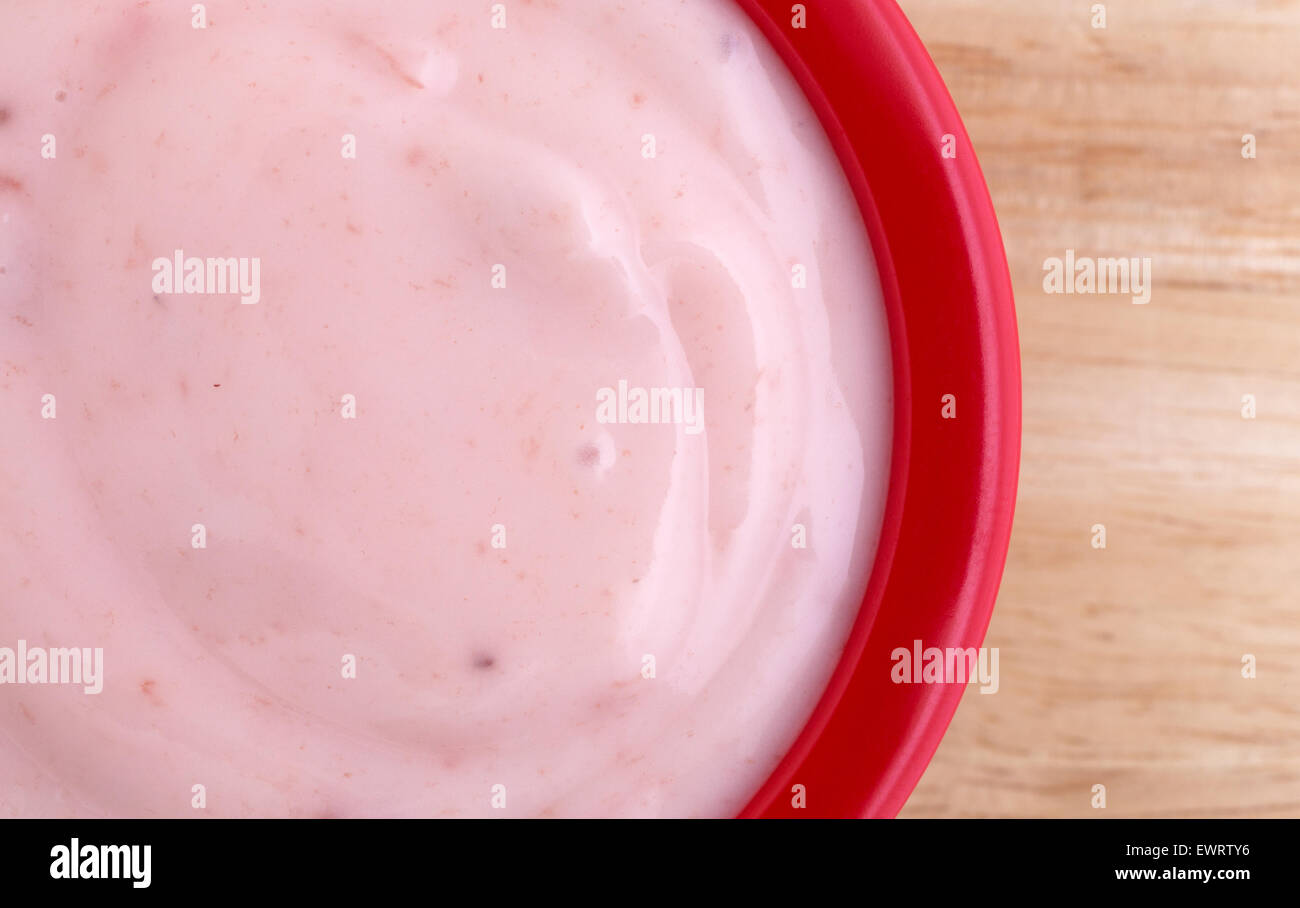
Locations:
1123 666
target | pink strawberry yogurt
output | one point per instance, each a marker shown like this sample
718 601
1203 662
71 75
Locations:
523 453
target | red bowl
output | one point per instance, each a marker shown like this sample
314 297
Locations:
953 331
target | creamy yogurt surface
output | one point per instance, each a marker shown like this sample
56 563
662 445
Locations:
422 409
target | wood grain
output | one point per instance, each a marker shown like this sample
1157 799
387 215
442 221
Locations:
1123 666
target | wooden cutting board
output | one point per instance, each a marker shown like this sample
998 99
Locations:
1123 666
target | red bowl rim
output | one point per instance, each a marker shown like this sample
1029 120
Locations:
947 290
